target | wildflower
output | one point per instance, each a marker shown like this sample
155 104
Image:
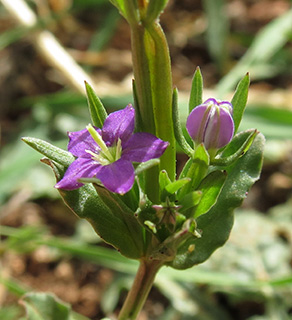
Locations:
107 154
211 123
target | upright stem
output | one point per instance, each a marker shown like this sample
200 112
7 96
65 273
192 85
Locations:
153 82
140 289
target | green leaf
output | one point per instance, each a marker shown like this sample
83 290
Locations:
128 9
46 306
237 153
52 152
112 220
178 133
196 96
163 179
197 170
239 101
176 185
217 223
119 209
154 9
210 187
190 200
97 111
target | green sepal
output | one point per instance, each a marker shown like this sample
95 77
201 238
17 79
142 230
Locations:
197 169
47 306
96 109
242 149
217 223
239 101
52 152
176 185
154 9
167 187
190 200
112 220
178 132
163 179
196 95
210 187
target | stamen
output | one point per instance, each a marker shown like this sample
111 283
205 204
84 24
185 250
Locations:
118 149
97 157
94 155
98 139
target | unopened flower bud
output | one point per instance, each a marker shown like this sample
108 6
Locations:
211 123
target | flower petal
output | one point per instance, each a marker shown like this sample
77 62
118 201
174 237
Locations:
142 147
197 121
119 124
226 105
118 176
220 130
79 141
80 168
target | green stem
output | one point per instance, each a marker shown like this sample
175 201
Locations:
153 84
140 289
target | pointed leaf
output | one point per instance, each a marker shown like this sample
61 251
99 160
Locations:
119 209
242 149
190 200
239 101
154 9
179 136
163 179
52 152
113 222
176 185
97 110
196 96
197 170
210 187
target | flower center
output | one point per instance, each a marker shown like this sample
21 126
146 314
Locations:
105 155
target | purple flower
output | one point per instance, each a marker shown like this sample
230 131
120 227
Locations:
107 154
211 123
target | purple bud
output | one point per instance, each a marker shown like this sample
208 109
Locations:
211 123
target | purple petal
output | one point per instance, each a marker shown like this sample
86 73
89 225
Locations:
119 124
197 121
142 147
118 176
227 105
80 168
79 141
220 130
